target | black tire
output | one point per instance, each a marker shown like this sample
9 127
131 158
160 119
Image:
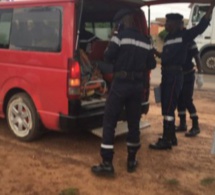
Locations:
208 62
22 117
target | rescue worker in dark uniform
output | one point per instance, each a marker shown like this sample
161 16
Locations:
173 57
131 53
186 96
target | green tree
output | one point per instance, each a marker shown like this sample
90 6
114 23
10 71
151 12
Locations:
163 34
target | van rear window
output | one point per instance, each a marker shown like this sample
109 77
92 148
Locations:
34 29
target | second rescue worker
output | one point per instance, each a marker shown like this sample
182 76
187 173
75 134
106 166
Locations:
172 59
185 100
131 53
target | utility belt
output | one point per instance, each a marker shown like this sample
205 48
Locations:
172 68
188 71
129 75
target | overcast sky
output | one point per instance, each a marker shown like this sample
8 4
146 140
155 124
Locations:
158 11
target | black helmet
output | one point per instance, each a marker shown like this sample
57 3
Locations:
174 17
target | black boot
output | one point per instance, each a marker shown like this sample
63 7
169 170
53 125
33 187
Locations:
195 130
161 144
174 140
131 166
168 140
131 160
182 126
105 169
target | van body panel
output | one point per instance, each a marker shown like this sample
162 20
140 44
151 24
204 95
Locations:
43 75
42 84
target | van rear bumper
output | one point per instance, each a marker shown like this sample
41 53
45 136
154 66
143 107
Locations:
90 120
84 121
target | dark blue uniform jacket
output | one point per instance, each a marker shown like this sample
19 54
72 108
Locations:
192 52
130 51
176 45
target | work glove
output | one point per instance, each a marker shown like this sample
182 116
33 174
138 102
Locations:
199 80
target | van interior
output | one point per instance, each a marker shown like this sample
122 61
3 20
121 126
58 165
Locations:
96 17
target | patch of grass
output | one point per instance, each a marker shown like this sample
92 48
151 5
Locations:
70 191
207 181
172 182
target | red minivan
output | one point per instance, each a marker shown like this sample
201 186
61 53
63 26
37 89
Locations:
44 81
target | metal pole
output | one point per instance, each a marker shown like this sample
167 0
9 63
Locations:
79 24
149 19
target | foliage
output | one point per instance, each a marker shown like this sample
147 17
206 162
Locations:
172 182
163 34
207 181
70 191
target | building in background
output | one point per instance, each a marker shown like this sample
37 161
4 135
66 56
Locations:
158 25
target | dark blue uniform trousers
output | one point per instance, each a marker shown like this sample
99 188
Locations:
186 96
123 94
171 86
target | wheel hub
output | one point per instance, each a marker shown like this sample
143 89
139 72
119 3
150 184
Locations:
211 63
20 118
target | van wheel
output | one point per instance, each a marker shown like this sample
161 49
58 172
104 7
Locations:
208 62
22 117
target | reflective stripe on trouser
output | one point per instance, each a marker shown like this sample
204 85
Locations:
193 115
182 113
122 94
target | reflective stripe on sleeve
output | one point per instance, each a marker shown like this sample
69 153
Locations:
104 146
173 41
136 43
168 118
115 40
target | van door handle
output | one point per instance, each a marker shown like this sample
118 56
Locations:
207 37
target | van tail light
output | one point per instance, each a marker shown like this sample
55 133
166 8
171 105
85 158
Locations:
74 79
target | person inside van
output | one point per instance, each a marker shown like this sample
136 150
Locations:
86 38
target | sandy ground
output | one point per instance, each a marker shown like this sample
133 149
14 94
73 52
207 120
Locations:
58 163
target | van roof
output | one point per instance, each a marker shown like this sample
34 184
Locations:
156 2
137 2
18 2
100 9
134 2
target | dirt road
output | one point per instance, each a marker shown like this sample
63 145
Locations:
60 162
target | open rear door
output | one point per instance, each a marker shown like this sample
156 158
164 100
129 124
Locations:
157 2
154 2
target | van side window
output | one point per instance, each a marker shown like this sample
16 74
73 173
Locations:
36 29
5 25
198 13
